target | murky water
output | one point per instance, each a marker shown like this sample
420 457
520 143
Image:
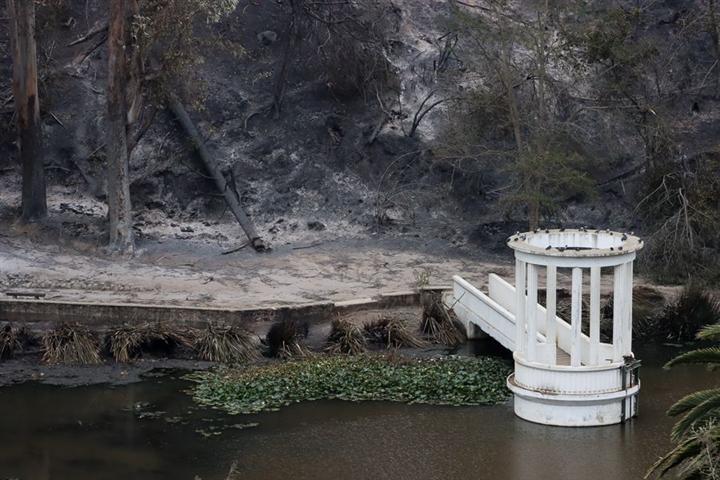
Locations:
151 430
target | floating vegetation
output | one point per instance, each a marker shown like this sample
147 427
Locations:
391 332
225 344
438 381
438 323
71 344
345 337
286 338
129 341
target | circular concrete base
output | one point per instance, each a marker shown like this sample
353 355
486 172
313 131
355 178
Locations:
574 410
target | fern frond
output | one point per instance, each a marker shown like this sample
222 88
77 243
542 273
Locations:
710 355
691 401
709 332
703 412
684 451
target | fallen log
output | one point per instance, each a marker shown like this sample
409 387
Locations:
230 198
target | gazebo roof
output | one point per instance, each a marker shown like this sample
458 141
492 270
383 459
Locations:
575 243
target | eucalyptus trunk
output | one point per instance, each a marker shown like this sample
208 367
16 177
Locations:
118 169
21 16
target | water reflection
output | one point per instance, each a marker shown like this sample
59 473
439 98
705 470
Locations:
151 430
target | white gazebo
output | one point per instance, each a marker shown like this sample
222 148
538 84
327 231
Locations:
562 376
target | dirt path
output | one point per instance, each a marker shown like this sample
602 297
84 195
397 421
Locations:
195 273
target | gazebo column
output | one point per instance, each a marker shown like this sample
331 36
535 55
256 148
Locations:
520 268
550 322
627 313
594 315
619 302
576 318
531 312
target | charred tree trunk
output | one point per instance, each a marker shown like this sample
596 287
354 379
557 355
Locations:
21 15
293 34
230 196
118 169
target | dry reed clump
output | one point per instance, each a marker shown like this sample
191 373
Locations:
391 332
71 344
10 341
286 338
129 341
439 323
345 338
225 344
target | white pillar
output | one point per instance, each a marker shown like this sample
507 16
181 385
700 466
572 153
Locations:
531 309
619 294
576 317
627 316
550 322
594 315
520 302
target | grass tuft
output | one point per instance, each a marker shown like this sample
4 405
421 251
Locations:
286 339
71 344
10 341
680 321
391 332
130 341
225 344
346 338
440 324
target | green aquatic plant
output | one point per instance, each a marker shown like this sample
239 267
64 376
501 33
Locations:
697 432
71 344
225 344
438 381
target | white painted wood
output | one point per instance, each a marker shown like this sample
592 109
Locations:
520 274
551 386
550 323
472 305
503 294
627 317
531 312
576 317
595 316
618 309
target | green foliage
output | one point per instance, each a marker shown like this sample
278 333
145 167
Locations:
609 38
439 381
547 176
166 29
697 432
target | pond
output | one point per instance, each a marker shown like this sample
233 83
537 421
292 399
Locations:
152 430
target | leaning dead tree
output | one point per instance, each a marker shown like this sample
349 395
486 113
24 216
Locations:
118 168
211 166
21 15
